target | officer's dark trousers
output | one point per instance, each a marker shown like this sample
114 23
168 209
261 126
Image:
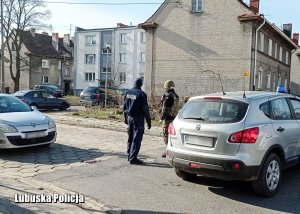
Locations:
135 136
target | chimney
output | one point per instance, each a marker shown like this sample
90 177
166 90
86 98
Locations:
287 29
254 6
55 40
120 25
32 31
66 38
296 38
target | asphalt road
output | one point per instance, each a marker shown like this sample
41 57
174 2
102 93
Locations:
154 187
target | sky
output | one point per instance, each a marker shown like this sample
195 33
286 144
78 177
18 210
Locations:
65 17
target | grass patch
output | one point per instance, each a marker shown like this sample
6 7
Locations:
75 100
106 114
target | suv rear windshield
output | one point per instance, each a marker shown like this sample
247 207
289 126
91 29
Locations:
214 111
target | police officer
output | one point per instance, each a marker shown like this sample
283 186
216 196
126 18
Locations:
135 110
170 105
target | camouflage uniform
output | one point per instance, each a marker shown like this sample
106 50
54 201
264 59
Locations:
170 105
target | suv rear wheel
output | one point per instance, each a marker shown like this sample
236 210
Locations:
185 175
268 181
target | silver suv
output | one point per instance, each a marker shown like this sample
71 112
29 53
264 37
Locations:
237 136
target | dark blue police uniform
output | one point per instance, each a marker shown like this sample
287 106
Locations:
135 110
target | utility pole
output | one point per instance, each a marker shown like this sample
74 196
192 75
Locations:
2 51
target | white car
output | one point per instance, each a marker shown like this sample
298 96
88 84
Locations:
22 126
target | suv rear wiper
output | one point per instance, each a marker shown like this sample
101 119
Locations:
193 118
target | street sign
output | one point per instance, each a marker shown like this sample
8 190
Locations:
245 74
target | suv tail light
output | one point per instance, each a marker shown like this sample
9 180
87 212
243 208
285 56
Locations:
98 96
245 136
171 129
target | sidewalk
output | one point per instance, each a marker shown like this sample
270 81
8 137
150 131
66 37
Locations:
66 118
12 188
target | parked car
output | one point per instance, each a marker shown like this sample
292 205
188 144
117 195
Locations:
52 89
95 96
42 99
21 126
232 137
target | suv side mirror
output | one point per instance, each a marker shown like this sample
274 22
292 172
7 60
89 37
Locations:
33 108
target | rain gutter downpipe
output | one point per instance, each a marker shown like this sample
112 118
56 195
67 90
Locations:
255 52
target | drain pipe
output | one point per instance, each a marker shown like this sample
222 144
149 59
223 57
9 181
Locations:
255 52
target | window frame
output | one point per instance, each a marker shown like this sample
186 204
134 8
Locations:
142 57
45 63
123 38
45 79
198 6
91 41
86 61
272 117
122 58
143 37
89 76
122 77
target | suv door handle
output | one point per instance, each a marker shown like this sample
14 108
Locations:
280 129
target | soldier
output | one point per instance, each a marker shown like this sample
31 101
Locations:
135 110
170 105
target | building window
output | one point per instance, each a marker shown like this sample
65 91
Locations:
67 72
122 57
268 81
59 65
122 77
90 40
108 70
275 54
45 79
90 58
123 38
287 55
143 37
261 41
280 53
142 57
270 47
279 79
259 83
59 81
45 63
197 5
89 76
105 50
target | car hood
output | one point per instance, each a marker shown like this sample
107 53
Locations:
23 118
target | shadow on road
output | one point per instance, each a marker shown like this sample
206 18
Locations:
52 154
286 200
155 164
8 207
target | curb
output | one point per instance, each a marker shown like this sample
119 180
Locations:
103 127
90 204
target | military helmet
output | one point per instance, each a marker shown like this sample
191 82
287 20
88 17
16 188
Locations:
169 84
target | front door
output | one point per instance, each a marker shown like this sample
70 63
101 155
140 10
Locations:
285 127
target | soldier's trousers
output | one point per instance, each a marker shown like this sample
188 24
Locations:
135 136
166 124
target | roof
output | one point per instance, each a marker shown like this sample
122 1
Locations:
41 45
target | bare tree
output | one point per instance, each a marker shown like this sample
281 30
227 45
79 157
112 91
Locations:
21 15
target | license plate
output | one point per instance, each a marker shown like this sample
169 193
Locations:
35 135
198 140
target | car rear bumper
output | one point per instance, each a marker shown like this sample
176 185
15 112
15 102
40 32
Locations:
221 169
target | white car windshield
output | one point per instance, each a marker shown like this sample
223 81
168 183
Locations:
12 104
